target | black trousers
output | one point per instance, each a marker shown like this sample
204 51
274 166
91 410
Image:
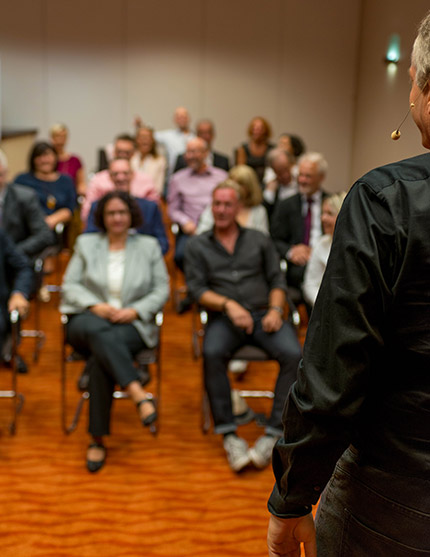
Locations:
110 348
221 340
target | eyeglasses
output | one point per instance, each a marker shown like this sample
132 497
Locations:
121 213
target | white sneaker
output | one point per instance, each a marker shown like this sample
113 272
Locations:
237 366
261 453
237 452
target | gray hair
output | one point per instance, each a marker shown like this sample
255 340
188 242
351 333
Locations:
3 159
421 53
317 159
58 128
229 184
276 154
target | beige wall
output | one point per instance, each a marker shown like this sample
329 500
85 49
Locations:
382 101
312 68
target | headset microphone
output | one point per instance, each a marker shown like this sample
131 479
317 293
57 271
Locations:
395 135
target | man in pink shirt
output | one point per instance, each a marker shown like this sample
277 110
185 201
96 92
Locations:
190 191
141 185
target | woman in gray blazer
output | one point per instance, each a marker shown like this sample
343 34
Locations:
113 286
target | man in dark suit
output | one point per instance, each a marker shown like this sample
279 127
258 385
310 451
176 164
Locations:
206 130
152 220
284 184
21 215
296 222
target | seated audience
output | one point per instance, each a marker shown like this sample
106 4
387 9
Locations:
255 151
56 192
251 214
190 192
283 184
22 217
16 282
175 140
113 286
141 185
235 273
319 256
296 222
67 163
152 222
147 159
206 131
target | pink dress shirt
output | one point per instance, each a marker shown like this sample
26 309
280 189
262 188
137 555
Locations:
141 185
190 192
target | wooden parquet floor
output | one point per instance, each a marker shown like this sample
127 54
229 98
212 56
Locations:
172 495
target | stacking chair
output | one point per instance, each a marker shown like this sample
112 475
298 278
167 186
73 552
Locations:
37 334
248 353
146 357
17 398
51 251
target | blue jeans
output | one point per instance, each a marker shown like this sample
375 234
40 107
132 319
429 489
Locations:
221 340
367 512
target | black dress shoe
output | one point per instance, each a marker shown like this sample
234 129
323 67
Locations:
96 465
21 366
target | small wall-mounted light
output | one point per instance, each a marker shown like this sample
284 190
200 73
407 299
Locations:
393 51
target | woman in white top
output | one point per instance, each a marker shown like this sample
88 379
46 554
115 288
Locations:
113 286
147 159
319 256
252 214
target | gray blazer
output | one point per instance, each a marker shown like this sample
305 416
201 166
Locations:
145 287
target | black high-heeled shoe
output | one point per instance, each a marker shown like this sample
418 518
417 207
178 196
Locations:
150 419
96 465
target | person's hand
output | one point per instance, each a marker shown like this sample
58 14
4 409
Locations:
19 302
51 221
285 535
105 311
272 321
188 228
272 186
239 316
124 315
299 254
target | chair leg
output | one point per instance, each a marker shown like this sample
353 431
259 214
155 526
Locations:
206 413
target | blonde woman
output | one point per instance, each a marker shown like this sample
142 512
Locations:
147 159
318 260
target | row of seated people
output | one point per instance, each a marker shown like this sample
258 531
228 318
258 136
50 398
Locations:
120 175
189 194
120 212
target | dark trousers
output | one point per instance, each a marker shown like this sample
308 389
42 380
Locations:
110 348
367 512
221 340
181 240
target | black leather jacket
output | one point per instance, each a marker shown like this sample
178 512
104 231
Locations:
365 375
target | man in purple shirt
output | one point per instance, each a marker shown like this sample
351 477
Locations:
190 191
